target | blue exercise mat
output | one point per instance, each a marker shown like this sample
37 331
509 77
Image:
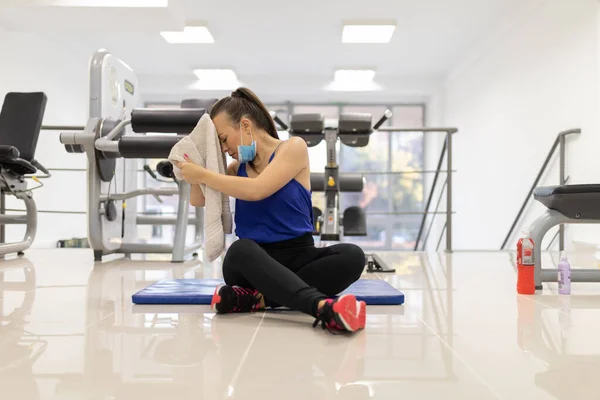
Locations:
200 291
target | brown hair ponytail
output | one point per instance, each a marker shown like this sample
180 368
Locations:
244 103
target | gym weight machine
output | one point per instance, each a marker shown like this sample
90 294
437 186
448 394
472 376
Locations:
353 129
112 150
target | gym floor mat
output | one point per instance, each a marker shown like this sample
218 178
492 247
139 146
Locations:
200 291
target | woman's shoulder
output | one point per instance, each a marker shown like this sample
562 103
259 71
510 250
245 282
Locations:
294 146
296 142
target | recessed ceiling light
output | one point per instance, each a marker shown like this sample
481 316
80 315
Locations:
109 3
354 75
363 33
190 34
215 79
215 74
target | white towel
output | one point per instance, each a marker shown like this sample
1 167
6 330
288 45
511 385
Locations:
203 148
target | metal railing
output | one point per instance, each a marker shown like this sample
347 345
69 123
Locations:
560 141
446 150
447 185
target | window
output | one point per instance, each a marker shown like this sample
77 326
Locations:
409 116
373 157
392 193
407 179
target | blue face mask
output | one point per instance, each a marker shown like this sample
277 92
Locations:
246 153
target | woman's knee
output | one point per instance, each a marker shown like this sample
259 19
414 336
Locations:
242 246
239 251
354 258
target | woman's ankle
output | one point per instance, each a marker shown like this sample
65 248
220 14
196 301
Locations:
261 305
321 304
318 306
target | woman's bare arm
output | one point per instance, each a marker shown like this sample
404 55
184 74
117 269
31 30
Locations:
197 198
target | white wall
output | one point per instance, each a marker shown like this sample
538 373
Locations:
30 62
527 82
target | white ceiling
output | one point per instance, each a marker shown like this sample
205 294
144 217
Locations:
282 49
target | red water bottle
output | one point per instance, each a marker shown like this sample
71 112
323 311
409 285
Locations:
525 265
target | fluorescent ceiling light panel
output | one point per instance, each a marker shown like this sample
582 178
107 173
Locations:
215 79
381 33
190 34
216 74
354 75
110 3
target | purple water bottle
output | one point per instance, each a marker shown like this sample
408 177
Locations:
564 275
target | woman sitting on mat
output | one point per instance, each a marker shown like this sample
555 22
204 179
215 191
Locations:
274 262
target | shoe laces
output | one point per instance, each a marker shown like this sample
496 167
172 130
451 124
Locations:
246 299
325 316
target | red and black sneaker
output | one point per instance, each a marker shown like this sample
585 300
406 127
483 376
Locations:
228 299
342 314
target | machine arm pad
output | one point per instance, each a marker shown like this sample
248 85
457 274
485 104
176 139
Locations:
147 146
181 121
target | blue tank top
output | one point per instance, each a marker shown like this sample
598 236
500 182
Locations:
286 214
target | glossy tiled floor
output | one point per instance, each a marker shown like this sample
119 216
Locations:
69 331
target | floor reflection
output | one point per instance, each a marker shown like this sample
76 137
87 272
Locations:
86 339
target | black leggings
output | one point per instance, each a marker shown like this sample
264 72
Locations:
293 273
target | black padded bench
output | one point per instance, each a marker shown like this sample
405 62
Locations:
574 201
